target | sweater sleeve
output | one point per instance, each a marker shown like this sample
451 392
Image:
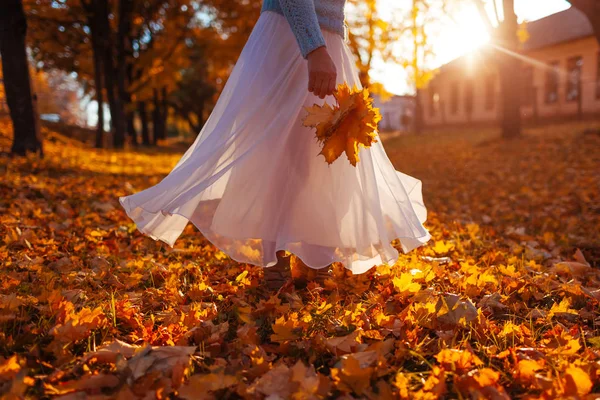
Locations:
302 18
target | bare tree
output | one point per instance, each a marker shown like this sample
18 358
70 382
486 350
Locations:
505 40
17 82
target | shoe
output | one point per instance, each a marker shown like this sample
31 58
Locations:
278 275
303 274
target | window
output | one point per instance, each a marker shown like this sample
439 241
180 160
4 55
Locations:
490 95
469 89
552 77
574 65
528 94
454 98
598 78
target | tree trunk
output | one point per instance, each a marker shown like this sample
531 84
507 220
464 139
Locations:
144 122
164 112
418 117
510 84
156 118
96 50
159 116
123 70
117 115
130 111
17 82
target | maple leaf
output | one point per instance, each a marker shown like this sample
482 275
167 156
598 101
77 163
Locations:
350 377
309 382
200 386
344 344
405 285
11 301
345 127
320 117
79 325
435 385
276 383
482 383
453 310
9 368
564 307
460 360
284 330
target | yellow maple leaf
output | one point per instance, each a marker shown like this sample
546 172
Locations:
442 247
9 368
563 307
284 330
405 285
346 126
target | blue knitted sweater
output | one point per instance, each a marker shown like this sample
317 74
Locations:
306 17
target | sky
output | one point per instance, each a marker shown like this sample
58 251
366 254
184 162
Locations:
467 33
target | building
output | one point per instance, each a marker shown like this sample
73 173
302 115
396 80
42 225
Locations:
560 71
396 112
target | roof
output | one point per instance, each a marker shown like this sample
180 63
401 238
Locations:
557 28
561 27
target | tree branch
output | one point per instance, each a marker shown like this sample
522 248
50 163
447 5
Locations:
484 15
496 13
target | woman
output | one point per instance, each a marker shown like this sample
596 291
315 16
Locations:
253 182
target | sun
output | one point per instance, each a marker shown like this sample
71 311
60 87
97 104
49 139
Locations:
464 34
449 39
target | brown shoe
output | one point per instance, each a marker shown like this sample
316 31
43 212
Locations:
279 274
303 274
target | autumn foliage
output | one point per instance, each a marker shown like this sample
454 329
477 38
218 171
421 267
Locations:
346 126
502 303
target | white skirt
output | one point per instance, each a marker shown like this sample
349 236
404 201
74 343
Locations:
253 182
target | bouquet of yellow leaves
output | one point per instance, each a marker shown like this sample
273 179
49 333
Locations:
346 126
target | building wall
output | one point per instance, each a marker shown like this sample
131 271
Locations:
451 86
474 68
587 49
396 113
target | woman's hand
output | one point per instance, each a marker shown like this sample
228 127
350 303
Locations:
322 73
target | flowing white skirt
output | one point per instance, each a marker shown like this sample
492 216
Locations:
253 182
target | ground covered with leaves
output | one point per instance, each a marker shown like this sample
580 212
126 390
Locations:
502 303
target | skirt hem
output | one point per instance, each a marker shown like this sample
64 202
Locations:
125 203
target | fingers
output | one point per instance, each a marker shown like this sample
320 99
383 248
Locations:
312 81
332 85
321 85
